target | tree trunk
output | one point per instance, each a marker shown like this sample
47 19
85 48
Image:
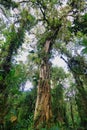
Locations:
43 113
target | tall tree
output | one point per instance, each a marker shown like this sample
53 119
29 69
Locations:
43 112
14 39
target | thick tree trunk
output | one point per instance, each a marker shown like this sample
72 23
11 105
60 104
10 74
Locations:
43 113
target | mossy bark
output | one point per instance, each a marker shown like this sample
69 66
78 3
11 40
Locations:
43 113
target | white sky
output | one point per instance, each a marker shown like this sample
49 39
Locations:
57 61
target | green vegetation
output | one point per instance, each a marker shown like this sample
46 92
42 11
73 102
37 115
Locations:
43 30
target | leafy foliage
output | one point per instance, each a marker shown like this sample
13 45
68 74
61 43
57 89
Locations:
8 4
63 24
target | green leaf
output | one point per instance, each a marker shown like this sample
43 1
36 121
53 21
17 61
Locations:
84 51
85 17
1 78
84 42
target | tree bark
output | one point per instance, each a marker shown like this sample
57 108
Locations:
43 113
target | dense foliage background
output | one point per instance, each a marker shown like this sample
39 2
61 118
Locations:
40 31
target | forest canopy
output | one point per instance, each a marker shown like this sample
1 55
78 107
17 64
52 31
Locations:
41 31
